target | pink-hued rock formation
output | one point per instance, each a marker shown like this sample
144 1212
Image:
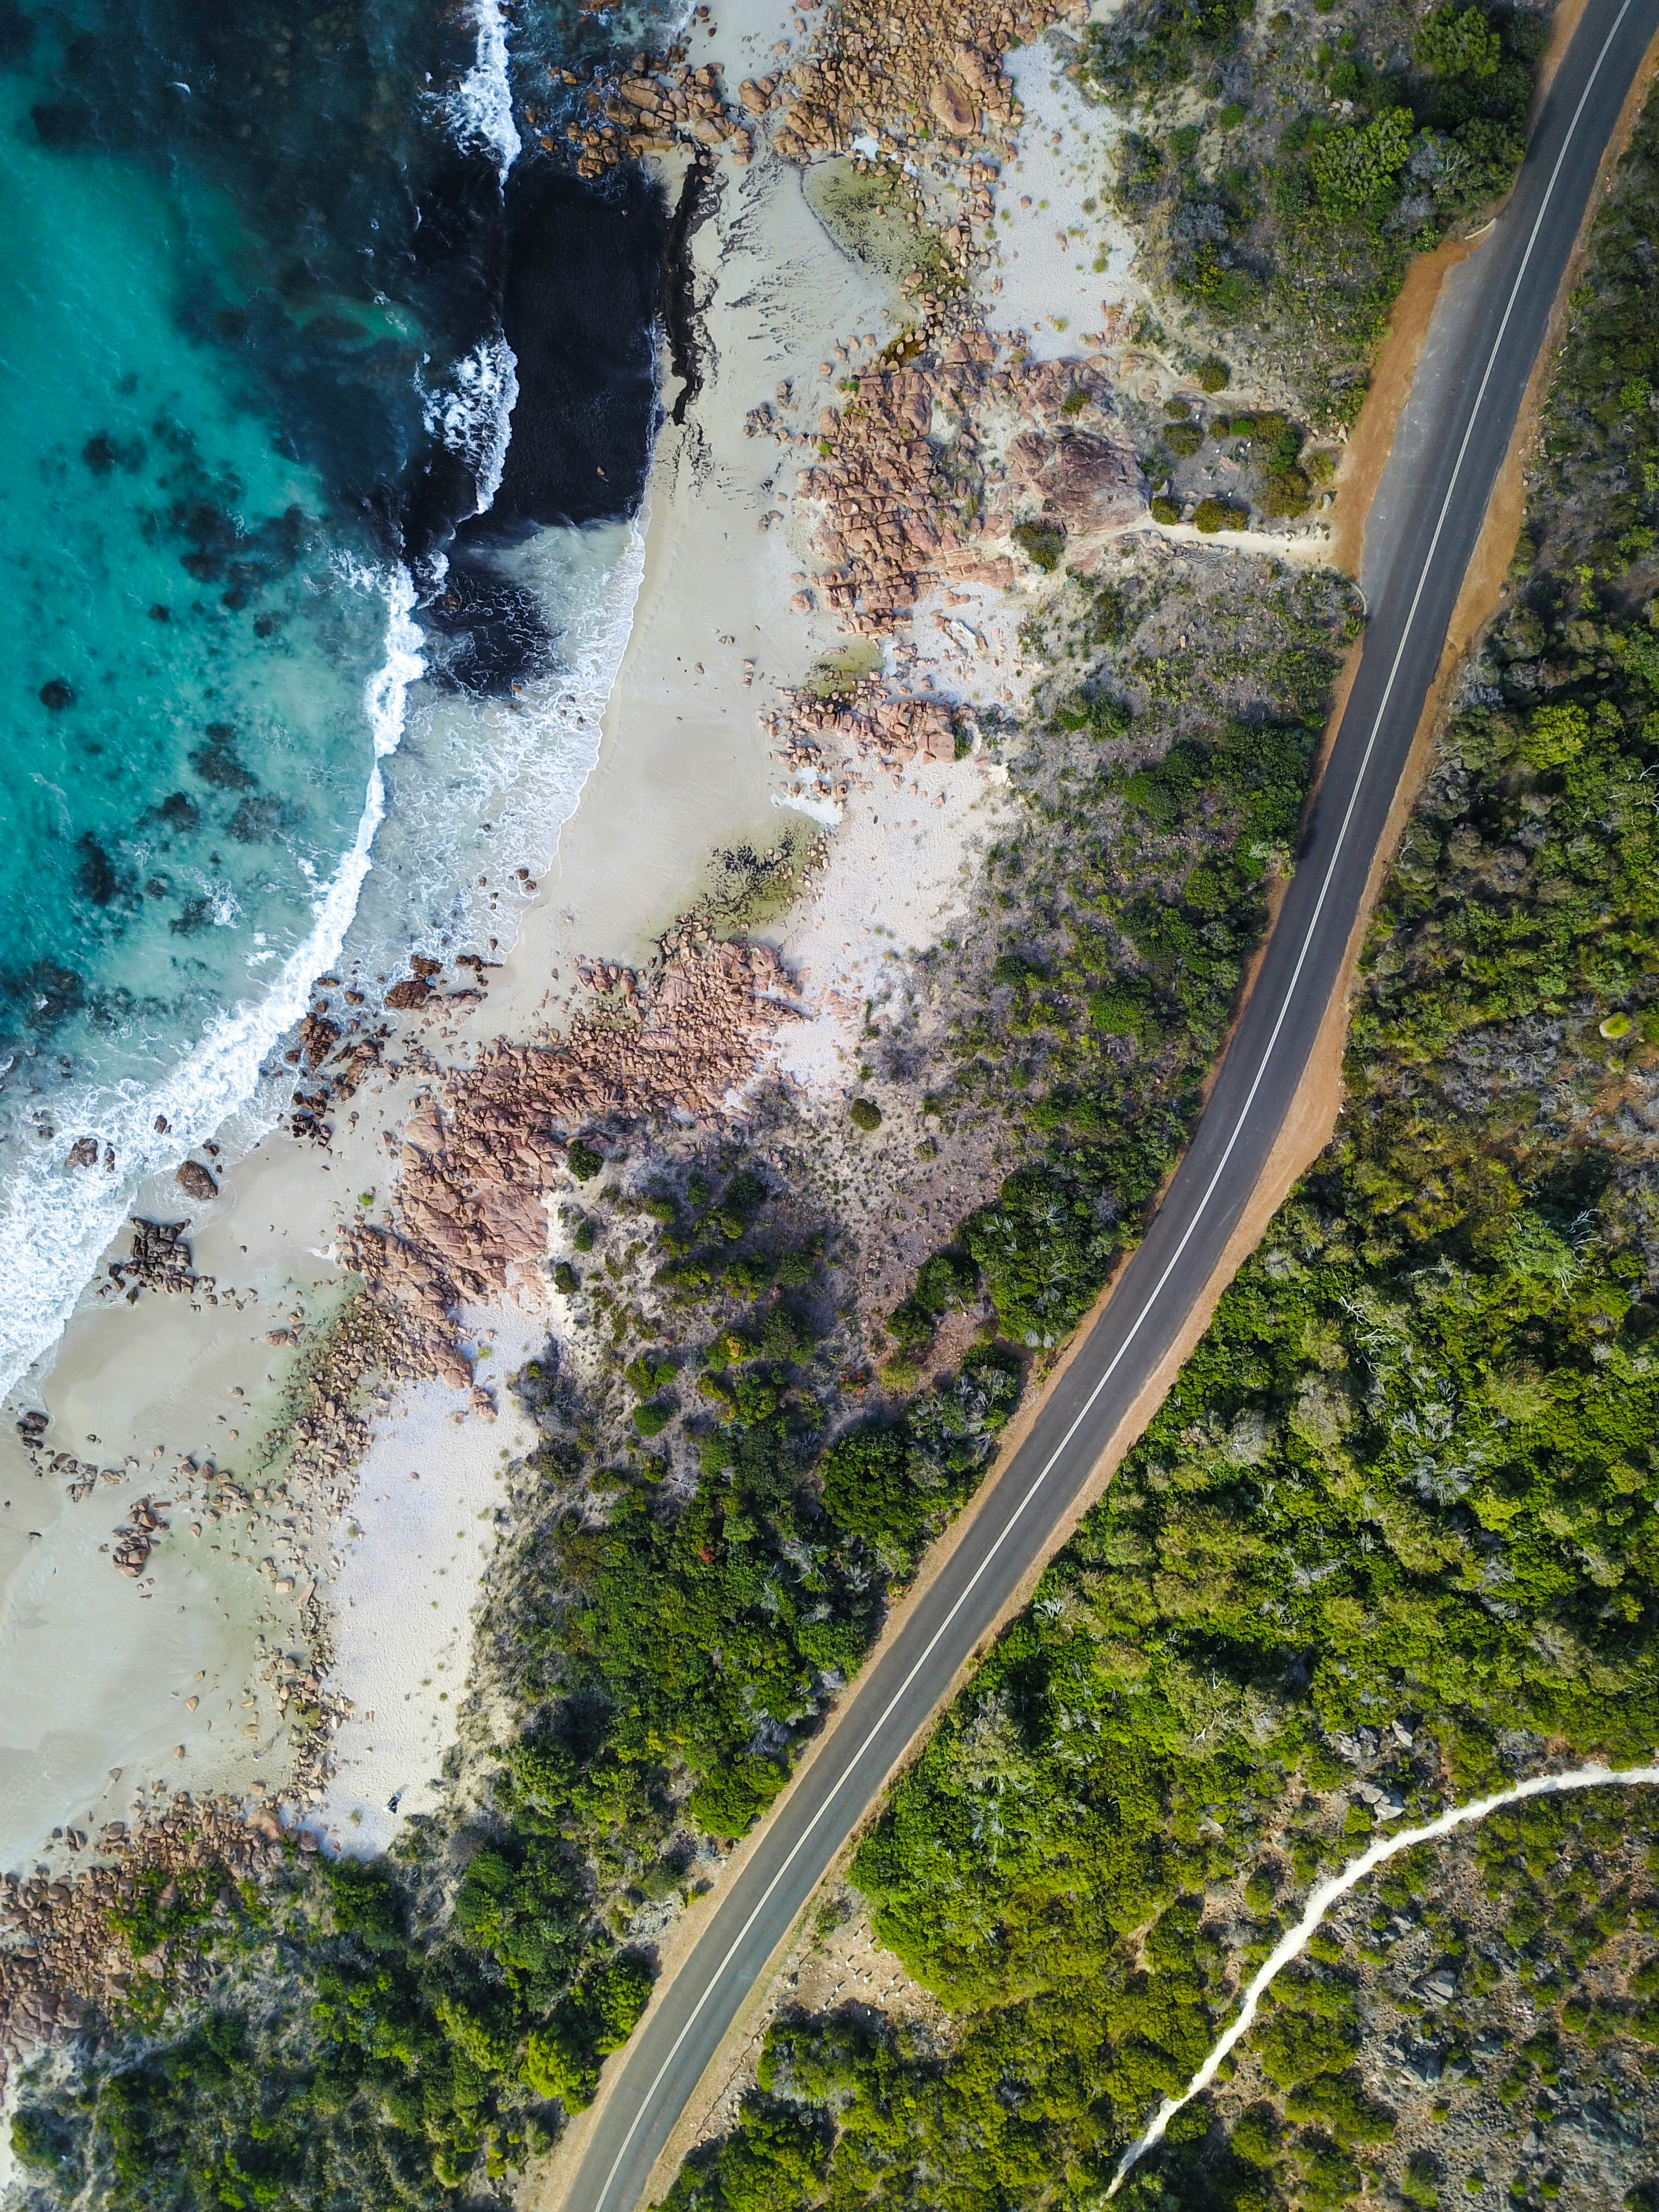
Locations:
483 1152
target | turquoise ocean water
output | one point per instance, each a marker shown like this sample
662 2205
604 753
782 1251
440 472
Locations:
263 710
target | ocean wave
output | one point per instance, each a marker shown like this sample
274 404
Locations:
54 1225
481 107
493 782
472 413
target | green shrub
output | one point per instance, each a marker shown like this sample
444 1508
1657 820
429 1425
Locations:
552 2068
1286 492
1042 543
1119 1009
868 1487
652 1419
1354 168
1451 45
1213 374
1213 514
864 1114
1182 439
948 1281
646 1374
727 1802
566 1280
1256 2136
1165 510
40 2139
583 1161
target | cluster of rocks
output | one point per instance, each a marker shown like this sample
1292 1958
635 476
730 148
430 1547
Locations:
324 1431
911 77
160 1260
865 717
910 497
662 102
482 1154
1075 480
80 1476
348 1055
318 1037
134 1537
65 1968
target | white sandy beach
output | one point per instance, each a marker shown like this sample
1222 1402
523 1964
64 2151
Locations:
727 623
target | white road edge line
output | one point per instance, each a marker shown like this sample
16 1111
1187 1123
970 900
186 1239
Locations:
1243 1115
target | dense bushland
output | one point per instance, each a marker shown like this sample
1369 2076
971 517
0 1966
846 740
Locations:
1326 154
706 1540
1394 1536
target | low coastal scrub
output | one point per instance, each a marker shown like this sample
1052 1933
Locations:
723 1497
1084 996
1389 1539
1326 152
1388 1543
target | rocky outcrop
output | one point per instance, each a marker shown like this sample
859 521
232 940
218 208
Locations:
134 1538
878 70
159 1259
68 1966
663 102
1087 485
196 1181
318 1037
911 491
481 1156
891 730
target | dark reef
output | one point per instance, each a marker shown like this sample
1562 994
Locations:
485 632
679 308
584 272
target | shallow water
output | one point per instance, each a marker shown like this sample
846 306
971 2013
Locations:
273 287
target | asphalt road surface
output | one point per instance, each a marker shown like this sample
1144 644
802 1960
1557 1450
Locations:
1515 278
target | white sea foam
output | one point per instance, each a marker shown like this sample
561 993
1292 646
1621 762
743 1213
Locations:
472 413
481 107
54 1226
496 780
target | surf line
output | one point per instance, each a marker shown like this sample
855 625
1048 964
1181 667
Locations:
1324 1894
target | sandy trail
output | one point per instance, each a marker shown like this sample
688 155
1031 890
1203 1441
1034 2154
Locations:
1325 1894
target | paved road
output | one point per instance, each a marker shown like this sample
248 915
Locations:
1520 269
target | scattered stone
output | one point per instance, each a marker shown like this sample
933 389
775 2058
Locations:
318 1037
72 1964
